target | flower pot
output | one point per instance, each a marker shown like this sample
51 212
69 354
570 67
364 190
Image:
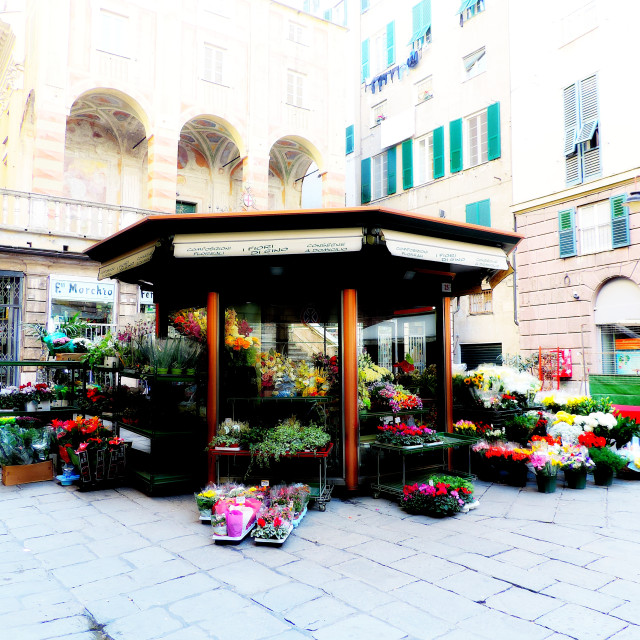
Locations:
110 361
162 371
176 371
575 478
44 405
31 406
517 476
191 372
603 476
266 393
546 484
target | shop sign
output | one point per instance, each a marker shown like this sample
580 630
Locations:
408 245
89 290
126 262
267 243
145 297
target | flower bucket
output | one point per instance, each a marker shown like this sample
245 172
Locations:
162 371
575 478
517 476
31 406
176 371
111 362
546 484
603 477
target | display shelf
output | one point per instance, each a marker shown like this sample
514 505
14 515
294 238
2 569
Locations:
384 414
393 483
292 399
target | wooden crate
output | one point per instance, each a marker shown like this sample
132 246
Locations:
24 473
67 357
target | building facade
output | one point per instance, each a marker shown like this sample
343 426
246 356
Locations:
115 109
575 164
430 134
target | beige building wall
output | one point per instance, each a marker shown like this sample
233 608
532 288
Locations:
113 109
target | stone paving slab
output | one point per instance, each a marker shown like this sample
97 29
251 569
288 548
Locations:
145 569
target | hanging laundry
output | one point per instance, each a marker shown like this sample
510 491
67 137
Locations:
396 68
403 68
381 78
412 60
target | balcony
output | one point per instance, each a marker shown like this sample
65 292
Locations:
52 216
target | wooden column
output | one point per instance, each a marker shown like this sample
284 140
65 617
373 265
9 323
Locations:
212 380
350 387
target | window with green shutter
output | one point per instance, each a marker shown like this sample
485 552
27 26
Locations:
391 171
365 180
619 222
421 22
365 60
391 53
407 164
438 152
493 126
567 233
455 145
479 213
350 139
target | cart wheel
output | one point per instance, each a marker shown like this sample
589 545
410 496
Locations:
322 507
376 494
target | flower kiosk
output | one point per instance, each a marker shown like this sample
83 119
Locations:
300 311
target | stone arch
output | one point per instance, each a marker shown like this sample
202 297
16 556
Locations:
290 158
209 164
106 149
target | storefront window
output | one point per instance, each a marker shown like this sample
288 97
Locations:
280 362
398 352
93 300
146 304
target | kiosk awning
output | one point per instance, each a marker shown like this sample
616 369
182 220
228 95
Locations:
409 245
264 243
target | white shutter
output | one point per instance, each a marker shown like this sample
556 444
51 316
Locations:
570 119
572 169
592 163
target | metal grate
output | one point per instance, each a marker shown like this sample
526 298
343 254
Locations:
10 306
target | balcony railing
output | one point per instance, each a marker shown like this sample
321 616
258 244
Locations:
39 213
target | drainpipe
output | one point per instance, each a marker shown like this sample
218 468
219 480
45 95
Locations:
515 279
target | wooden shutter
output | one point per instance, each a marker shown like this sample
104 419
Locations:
365 59
438 152
455 145
567 233
619 222
391 171
391 55
484 213
349 141
493 128
407 164
365 180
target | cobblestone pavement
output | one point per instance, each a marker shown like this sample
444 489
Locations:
118 564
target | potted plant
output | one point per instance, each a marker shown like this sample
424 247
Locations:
273 524
228 435
102 352
606 463
575 462
288 437
437 499
406 436
545 466
205 500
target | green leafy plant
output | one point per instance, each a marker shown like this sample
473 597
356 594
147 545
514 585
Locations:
606 458
98 351
520 428
625 429
288 437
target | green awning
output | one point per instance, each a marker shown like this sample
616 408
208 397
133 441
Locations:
420 33
465 5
